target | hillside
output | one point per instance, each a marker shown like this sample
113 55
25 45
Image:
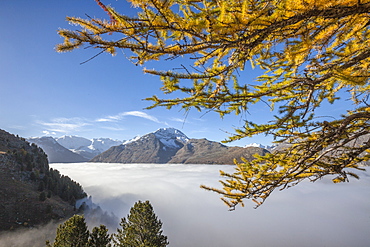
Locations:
169 145
30 192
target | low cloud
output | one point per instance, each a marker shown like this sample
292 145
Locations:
34 237
310 214
48 133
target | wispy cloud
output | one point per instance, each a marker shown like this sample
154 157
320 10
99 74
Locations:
64 125
180 120
121 115
67 126
113 128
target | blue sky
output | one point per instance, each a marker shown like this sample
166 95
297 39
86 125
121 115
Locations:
43 92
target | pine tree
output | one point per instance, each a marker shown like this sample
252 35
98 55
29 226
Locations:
310 52
99 237
73 233
141 229
42 196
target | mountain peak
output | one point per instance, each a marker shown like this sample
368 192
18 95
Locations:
45 139
170 132
103 144
171 136
73 142
169 145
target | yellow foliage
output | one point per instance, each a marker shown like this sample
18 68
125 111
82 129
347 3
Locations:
309 50
302 5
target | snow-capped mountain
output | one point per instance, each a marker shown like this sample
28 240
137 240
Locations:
156 147
73 142
260 146
73 148
103 144
85 147
171 137
167 136
169 145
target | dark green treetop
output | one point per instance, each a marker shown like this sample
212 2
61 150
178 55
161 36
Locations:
142 228
99 237
73 233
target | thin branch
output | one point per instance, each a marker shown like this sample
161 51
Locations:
92 57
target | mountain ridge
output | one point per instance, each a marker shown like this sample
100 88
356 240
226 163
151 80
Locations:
87 148
72 149
169 145
165 145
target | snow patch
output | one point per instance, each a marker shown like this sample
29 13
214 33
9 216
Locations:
260 146
132 140
255 145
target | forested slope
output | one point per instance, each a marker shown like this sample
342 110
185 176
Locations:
31 193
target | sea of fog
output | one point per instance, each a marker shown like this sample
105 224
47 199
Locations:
309 214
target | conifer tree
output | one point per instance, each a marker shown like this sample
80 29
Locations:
99 237
73 233
141 228
310 52
42 196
